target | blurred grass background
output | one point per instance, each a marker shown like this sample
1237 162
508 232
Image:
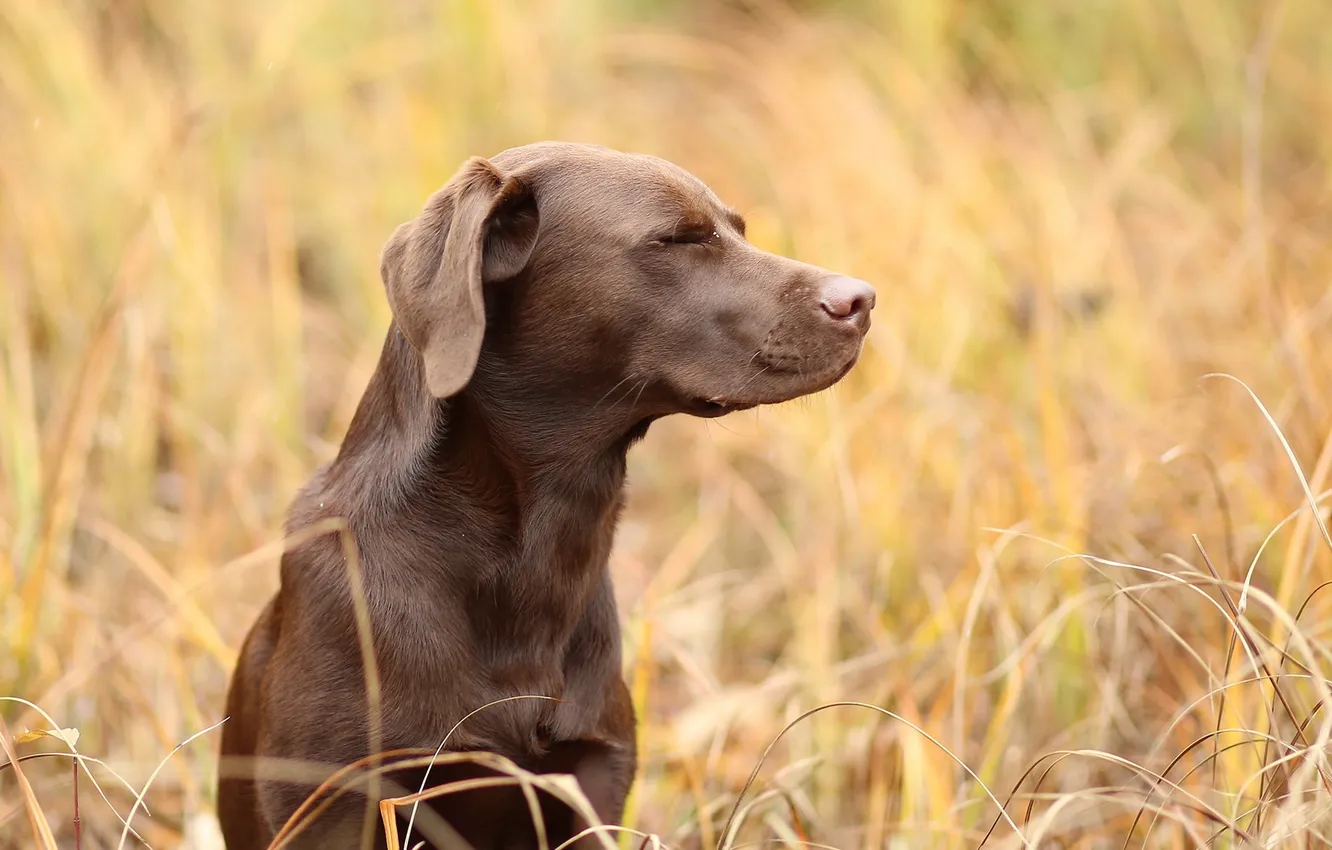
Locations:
1072 212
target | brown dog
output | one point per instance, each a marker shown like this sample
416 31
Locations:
548 305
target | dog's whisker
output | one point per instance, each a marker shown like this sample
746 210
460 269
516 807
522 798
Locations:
640 387
608 392
751 379
640 393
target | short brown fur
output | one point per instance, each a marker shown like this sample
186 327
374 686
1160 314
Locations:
548 304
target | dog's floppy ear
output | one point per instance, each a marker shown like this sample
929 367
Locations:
478 229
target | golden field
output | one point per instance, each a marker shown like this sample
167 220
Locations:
1057 526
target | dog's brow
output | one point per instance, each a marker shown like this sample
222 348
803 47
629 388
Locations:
734 219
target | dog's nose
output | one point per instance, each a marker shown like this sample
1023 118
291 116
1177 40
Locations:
847 298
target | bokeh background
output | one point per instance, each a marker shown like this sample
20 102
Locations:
1074 212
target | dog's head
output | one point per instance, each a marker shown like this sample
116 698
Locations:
614 280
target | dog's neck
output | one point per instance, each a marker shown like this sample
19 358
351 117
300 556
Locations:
512 507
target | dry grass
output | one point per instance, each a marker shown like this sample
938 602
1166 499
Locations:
1072 219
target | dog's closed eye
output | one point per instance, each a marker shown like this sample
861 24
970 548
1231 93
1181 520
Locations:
705 235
